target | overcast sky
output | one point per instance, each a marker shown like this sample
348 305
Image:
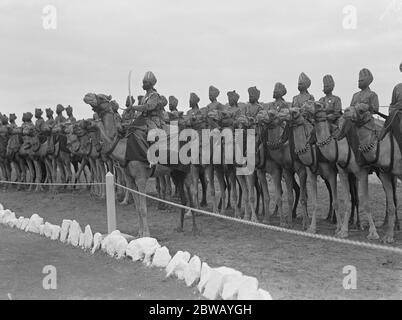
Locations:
190 45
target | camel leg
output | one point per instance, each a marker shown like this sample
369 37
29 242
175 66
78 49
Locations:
363 190
252 196
142 184
137 206
313 188
31 170
101 177
195 173
243 186
168 186
203 188
278 191
209 172
388 185
162 195
288 221
265 193
234 198
333 183
127 194
222 187
303 197
38 177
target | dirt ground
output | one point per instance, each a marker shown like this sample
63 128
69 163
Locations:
288 266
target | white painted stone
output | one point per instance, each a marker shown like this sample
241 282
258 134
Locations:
74 234
231 287
161 258
264 295
13 222
7 216
47 230
120 247
3 214
55 232
65 227
205 274
97 242
18 224
114 244
1 207
81 241
88 237
248 289
175 262
217 279
34 222
149 253
193 271
136 248
24 223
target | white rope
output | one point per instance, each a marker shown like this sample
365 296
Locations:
54 184
274 228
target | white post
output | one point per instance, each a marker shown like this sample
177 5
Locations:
110 203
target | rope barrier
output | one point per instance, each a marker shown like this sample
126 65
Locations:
54 184
274 228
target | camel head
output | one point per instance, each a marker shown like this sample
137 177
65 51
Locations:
100 103
361 114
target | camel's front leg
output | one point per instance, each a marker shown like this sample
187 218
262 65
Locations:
251 196
38 175
288 221
363 194
265 193
388 185
234 196
313 188
209 172
302 173
243 186
221 181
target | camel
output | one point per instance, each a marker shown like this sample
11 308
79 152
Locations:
380 152
278 151
18 162
138 172
339 151
306 153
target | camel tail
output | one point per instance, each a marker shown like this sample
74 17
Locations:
354 195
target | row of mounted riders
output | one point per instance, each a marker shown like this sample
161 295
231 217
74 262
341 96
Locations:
295 141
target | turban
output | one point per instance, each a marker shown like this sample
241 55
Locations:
24 117
328 81
304 80
49 111
128 101
113 104
69 108
173 101
28 116
213 92
233 95
38 111
194 98
150 77
59 108
365 74
162 102
280 89
254 92
13 116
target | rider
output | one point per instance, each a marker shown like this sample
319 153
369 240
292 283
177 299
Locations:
233 101
396 101
149 106
173 102
193 101
129 114
252 108
303 84
12 118
59 111
213 95
40 124
332 103
278 94
50 121
365 95
71 118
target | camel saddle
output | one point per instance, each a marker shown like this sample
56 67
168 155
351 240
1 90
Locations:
393 126
138 145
